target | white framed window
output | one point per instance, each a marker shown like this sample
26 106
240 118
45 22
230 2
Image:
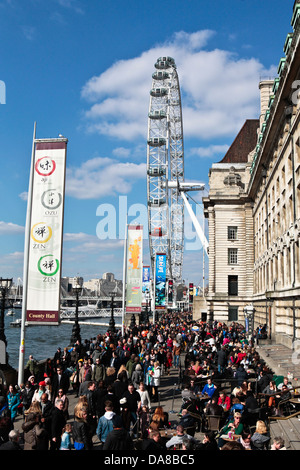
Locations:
232 232
232 255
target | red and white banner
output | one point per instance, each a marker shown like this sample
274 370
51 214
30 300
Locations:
46 232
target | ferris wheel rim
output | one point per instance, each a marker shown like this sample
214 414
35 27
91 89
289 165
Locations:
165 116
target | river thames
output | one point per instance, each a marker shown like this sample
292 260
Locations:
43 341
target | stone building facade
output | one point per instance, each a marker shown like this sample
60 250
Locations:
253 209
230 220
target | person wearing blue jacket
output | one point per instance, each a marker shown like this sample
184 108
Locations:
209 388
13 400
66 443
105 424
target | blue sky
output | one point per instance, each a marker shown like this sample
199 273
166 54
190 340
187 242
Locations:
83 69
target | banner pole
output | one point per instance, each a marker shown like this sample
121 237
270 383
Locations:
124 277
25 265
154 292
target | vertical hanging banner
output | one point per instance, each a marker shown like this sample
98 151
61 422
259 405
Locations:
134 269
160 280
46 232
170 292
146 285
191 293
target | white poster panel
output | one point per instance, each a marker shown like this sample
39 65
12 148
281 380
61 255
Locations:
146 285
46 232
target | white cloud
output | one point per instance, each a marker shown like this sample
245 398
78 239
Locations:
29 32
86 243
99 177
98 246
16 256
8 228
12 259
121 152
209 151
219 90
196 40
72 5
77 237
23 196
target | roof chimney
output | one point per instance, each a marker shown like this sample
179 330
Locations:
265 87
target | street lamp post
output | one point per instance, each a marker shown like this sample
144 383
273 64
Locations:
249 319
76 328
147 309
112 320
5 285
132 321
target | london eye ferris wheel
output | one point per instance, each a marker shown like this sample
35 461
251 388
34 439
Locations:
165 168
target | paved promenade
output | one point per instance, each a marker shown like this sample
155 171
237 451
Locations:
169 398
278 357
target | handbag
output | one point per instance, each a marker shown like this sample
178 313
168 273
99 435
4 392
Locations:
78 445
74 378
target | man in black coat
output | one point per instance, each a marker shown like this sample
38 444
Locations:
92 408
27 395
222 360
80 349
115 361
57 356
100 393
111 396
161 355
133 399
57 425
46 419
241 375
60 381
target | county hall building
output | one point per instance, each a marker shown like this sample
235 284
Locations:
253 210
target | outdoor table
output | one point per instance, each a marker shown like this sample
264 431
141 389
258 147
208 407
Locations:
295 401
203 397
234 437
167 433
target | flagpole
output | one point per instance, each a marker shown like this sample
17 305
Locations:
25 265
203 260
124 277
154 290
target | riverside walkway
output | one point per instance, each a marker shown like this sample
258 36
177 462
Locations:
169 399
279 358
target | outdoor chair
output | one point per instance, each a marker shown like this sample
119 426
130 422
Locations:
198 419
191 430
284 407
252 416
213 422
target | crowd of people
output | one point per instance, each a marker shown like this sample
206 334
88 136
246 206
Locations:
226 378
116 381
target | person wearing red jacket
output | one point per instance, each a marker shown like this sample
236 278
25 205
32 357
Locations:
224 401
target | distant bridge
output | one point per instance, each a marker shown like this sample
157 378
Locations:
89 312
70 301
